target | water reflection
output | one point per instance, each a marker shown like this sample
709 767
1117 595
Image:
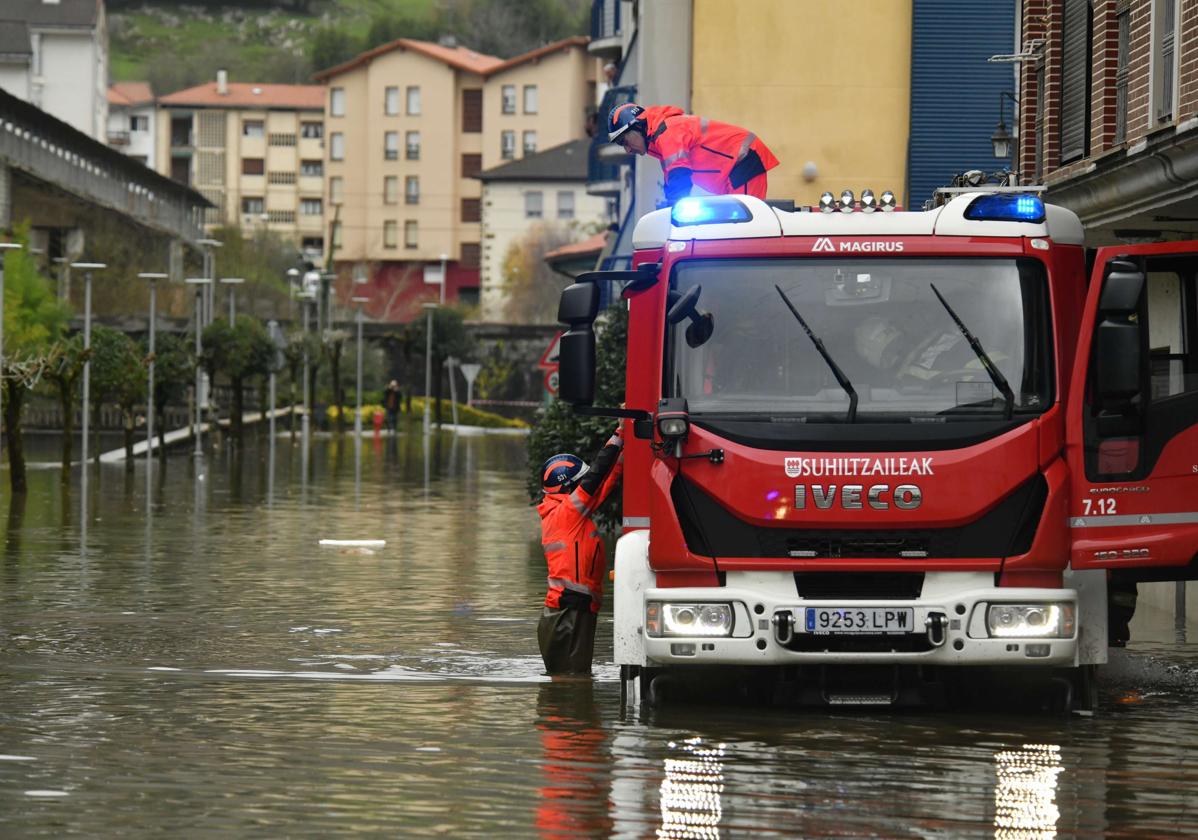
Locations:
574 762
691 806
1025 794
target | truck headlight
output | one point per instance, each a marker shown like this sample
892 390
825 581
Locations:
1030 621
666 619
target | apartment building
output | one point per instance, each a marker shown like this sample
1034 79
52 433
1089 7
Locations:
256 151
132 121
54 55
410 125
1108 114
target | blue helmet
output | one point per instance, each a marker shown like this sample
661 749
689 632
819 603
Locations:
623 117
560 472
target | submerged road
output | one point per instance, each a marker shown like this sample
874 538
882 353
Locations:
199 665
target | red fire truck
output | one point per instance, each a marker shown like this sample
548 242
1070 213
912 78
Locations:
869 448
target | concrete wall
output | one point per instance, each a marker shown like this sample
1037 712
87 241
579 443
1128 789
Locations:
822 82
71 65
142 144
505 222
14 79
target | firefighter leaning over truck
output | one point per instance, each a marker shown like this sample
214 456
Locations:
875 453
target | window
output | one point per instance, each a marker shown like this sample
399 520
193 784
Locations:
253 166
507 145
530 143
530 99
139 122
337 102
391 189
311 207
312 168
468 295
565 204
391 145
311 245
253 206
470 254
409 234
532 205
412 142
337 146
413 101
1164 57
472 210
471 165
1041 109
411 190
1075 80
1124 29
391 101
312 130
390 234
336 190
1171 321
509 99
472 110
253 128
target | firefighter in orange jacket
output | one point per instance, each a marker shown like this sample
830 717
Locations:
694 151
574 552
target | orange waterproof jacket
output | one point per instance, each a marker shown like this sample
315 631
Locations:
573 549
707 149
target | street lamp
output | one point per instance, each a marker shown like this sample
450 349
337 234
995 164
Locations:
209 271
153 278
428 361
5 247
305 420
87 269
1000 139
231 282
292 282
200 283
361 301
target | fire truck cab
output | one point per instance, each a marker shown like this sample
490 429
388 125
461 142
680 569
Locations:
861 439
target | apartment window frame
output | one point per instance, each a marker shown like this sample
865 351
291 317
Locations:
391 101
411 234
1122 62
507 99
139 123
507 145
253 128
337 146
1163 63
311 206
390 145
412 145
527 147
470 255
472 110
336 190
311 130
412 105
471 210
391 234
411 189
566 206
531 96
311 168
253 166
391 189
534 204
337 102
253 205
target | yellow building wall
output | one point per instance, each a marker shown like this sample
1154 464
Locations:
820 81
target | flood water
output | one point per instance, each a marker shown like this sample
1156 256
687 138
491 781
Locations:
201 666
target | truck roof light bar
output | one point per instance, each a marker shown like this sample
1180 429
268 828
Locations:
709 210
827 203
1006 207
888 202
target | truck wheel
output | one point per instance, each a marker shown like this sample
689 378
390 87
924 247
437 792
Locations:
651 695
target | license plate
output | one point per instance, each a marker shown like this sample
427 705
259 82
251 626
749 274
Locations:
836 620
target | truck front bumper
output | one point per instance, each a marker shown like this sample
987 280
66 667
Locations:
949 626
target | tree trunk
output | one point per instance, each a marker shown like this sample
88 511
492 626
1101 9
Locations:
14 400
66 403
236 412
127 414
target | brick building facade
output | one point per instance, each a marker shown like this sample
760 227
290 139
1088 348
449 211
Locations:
1109 113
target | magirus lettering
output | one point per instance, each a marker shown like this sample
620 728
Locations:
857 496
878 246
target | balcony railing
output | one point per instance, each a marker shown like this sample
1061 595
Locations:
605 28
603 174
118 138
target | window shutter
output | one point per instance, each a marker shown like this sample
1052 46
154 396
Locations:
1075 81
472 110
471 165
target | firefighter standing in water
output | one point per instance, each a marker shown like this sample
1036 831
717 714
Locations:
716 157
575 555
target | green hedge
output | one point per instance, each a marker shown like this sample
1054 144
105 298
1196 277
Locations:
467 415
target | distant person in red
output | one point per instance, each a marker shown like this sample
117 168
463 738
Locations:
574 553
716 157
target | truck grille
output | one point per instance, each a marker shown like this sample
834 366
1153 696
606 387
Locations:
907 643
859 586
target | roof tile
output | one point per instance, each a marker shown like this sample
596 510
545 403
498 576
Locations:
248 95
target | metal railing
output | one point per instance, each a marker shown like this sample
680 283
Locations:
605 19
599 170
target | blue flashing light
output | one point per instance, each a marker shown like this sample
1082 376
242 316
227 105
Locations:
1006 207
715 210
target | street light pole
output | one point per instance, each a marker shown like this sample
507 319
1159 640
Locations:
5 247
209 272
232 283
305 421
444 278
199 283
153 278
428 361
87 269
361 301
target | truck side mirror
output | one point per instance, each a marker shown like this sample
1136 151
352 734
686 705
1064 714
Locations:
577 309
1118 354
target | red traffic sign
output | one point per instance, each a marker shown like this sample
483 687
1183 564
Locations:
551 381
549 357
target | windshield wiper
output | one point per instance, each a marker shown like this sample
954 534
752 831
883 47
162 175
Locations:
996 376
823 351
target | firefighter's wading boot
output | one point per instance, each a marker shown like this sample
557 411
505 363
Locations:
567 640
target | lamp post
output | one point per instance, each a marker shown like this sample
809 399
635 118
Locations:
1000 139
153 278
200 283
232 283
209 271
444 278
305 420
361 301
87 269
428 361
5 247
279 342
292 283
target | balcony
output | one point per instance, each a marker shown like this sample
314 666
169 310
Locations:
606 41
118 138
604 158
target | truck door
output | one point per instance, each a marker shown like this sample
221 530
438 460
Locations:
1132 417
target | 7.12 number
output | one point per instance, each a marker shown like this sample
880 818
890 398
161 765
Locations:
1098 507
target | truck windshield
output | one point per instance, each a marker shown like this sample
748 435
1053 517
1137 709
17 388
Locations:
880 323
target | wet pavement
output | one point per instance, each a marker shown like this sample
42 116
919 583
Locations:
211 670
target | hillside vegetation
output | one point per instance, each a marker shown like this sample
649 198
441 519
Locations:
178 44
